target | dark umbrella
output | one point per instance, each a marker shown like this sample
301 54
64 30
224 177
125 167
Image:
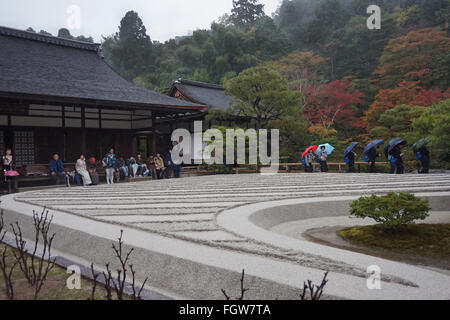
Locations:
419 144
374 143
350 148
395 142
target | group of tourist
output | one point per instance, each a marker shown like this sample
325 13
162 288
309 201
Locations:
322 157
392 151
87 172
157 167
394 155
115 168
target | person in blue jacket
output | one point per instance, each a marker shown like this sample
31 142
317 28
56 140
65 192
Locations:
351 161
423 154
389 159
109 162
57 171
397 154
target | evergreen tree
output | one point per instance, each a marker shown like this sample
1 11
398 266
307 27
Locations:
245 13
129 50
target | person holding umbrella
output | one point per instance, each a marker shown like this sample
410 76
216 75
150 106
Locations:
308 157
424 157
388 157
349 157
396 154
422 154
371 154
323 152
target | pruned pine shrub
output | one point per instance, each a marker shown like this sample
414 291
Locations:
392 210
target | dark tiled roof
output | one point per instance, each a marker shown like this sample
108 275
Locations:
34 65
211 95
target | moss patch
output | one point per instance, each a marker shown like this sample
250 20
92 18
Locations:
427 240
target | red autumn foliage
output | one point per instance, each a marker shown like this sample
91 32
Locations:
415 56
408 93
333 103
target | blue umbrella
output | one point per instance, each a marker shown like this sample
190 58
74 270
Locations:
350 148
374 143
328 148
395 142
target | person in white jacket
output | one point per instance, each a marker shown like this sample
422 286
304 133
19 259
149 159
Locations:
81 169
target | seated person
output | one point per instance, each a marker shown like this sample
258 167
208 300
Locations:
92 168
81 169
159 166
133 165
141 166
122 167
151 166
57 171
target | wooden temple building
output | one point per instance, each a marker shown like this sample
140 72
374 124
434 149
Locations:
211 95
59 95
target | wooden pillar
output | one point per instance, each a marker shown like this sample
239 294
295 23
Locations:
153 136
63 117
63 126
83 131
170 127
134 148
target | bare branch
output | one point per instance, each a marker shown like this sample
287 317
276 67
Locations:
6 272
35 267
243 289
227 297
94 279
136 296
108 280
118 284
315 291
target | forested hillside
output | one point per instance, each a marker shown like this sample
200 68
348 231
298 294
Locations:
334 29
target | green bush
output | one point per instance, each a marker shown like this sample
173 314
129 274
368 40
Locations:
392 210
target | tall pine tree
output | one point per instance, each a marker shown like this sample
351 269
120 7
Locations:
129 51
245 13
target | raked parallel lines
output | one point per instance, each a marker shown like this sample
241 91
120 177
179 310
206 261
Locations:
186 208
